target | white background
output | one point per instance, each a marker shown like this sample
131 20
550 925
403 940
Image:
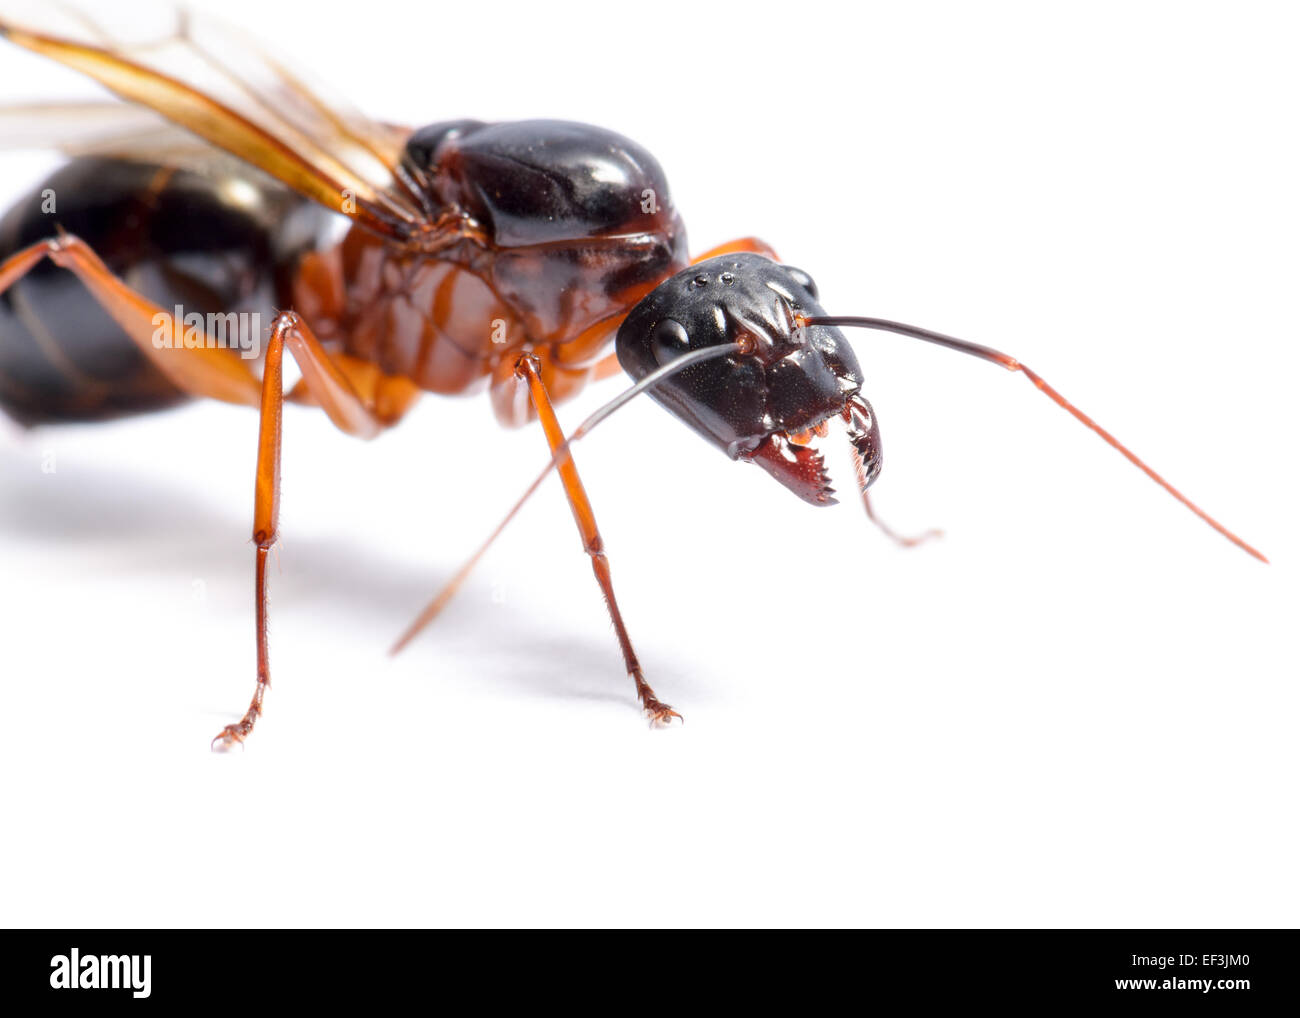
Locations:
1079 709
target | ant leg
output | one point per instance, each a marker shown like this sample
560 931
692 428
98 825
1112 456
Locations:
749 244
607 367
196 370
328 384
388 397
206 370
528 368
899 539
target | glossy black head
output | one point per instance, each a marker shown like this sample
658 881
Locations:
769 403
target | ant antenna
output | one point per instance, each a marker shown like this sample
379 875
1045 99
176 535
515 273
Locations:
1011 364
686 360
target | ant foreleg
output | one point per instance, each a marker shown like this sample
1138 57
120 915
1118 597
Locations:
528 369
748 245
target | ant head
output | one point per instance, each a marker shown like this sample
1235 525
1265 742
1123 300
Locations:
772 401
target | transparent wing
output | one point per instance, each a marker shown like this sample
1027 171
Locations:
221 86
96 128
111 129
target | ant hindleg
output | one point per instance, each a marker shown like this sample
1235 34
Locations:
206 370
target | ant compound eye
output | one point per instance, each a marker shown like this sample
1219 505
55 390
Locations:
669 341
803 279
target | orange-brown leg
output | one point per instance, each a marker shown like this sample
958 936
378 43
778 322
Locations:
206 370
328 385
607 367
528 369
750 244
388 397
199 371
